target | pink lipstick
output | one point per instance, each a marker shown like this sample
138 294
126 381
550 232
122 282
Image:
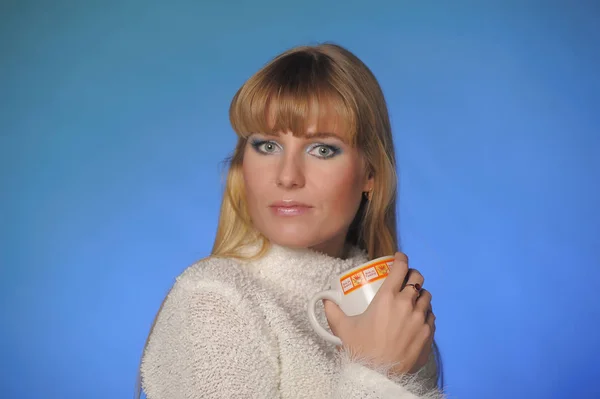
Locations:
289 208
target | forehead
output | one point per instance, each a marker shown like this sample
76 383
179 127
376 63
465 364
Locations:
315 118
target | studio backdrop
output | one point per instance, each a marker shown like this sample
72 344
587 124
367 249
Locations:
114 131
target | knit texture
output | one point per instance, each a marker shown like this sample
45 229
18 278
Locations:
239 329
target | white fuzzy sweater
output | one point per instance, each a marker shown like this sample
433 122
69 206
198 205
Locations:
237 329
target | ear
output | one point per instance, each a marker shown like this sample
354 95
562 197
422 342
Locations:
369 182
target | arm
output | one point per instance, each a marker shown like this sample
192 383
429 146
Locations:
357 379
202 346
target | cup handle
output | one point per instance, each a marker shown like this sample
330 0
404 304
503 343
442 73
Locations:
333 296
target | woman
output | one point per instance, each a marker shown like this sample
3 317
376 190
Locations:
310 192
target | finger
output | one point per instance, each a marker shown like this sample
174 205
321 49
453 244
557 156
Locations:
397 276
431 322
335 316
433 325
414 277
423 302
413 289
427 353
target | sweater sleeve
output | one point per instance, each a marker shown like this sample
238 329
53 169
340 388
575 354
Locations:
209 342
357 380
204 346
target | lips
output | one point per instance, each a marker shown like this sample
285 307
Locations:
289 208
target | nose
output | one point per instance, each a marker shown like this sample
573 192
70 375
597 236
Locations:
291 172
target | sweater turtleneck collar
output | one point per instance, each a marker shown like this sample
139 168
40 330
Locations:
302 271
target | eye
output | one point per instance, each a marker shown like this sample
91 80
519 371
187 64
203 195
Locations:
265 146
324 151
268 147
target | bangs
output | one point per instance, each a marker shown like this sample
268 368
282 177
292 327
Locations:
296 92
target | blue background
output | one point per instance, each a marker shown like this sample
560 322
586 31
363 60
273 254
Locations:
114 126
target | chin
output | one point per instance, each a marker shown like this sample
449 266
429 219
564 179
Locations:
292 239
291 242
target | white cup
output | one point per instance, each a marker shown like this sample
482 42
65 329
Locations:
352 291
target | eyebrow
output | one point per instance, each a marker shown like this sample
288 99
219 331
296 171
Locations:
316 135
324 135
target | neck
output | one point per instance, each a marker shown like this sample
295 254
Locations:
336 248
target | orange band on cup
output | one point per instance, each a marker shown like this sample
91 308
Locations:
365 275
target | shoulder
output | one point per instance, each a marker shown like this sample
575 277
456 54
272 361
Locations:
211 298
209 289
227 276
206 325
212 295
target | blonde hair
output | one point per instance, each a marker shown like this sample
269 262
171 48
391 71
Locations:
282 96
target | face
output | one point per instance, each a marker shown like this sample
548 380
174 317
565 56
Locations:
303 192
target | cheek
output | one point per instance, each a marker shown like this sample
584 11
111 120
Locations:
256 176
342 190
251 187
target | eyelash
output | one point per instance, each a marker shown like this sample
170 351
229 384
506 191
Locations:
256 144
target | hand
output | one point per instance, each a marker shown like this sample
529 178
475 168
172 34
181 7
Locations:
398 327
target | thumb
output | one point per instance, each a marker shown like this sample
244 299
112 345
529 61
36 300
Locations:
335 315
